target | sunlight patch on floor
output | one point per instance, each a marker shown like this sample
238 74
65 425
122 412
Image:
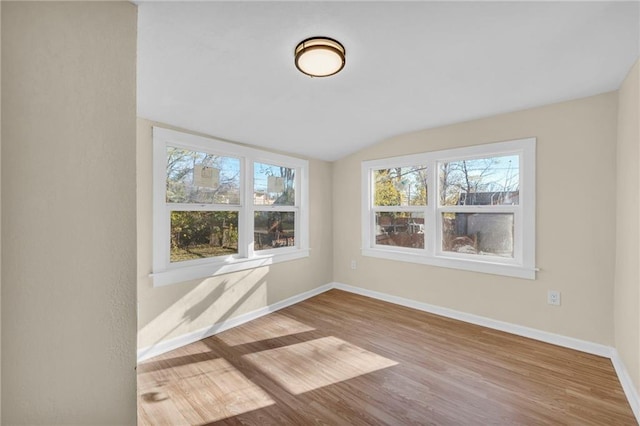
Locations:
216 391
269 327
311 365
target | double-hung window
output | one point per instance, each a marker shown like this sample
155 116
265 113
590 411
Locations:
275 206
220 207
467 208
399 204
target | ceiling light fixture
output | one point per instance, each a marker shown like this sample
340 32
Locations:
320 56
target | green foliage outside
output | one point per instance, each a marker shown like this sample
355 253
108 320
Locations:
197 234
386 193
401 186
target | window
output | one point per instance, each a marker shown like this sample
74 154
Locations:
468 208
220 207
274 199
400 198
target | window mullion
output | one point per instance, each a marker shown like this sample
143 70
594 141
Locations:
431 228
216 249
486 237
367 217
248 210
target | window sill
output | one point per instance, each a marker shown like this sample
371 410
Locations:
180 274
517 271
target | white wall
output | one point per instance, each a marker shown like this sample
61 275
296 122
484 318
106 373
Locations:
68 213
182 308
576 153
627 277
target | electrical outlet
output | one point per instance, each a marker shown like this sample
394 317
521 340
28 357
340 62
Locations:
354 265
553 297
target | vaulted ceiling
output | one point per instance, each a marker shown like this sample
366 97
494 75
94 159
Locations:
226 68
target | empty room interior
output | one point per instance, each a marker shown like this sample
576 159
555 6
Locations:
320 213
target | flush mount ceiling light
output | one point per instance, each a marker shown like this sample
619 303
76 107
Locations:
320 56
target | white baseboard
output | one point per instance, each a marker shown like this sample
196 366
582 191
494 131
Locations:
203 333
532 333
627 384
568 342
630 390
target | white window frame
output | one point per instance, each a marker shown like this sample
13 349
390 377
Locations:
163 271
522 265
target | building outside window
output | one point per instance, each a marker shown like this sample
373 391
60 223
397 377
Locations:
467 208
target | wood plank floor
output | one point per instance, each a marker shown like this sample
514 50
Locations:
340 358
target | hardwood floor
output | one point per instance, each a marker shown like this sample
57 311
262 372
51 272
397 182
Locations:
341 358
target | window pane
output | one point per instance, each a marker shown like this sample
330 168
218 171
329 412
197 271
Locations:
198 235
274 229
484 181
273 185
478 233
400 186
199 177
401 229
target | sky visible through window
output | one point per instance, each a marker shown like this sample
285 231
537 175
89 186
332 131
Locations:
499 174
230 168
493 173
194 176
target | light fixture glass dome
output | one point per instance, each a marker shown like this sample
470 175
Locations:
320 56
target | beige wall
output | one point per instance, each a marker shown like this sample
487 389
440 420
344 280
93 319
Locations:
68 213
67 312
627 271
177 309
575 223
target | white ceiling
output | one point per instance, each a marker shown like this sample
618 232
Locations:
226 69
